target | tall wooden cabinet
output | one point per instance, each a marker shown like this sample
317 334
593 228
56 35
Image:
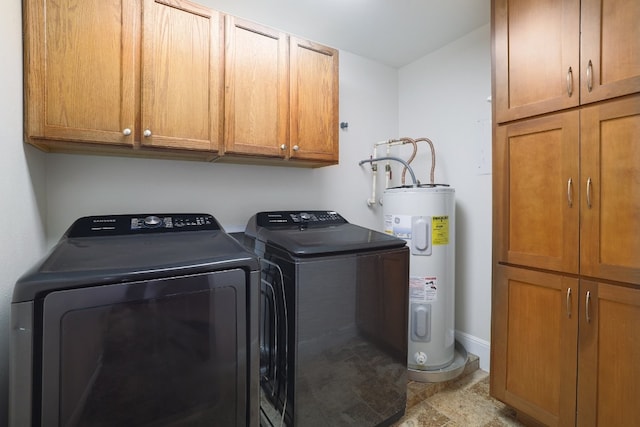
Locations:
566 285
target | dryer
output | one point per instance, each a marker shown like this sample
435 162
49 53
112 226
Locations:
333 341
137 320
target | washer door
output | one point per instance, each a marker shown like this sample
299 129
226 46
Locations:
273 341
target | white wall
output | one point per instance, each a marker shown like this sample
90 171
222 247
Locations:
443 97
22 203
78 185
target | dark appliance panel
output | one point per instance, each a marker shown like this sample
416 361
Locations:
344 290
137 326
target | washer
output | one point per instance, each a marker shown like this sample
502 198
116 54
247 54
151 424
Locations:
333 339
135 320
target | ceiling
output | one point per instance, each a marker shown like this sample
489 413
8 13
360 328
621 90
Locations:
393 32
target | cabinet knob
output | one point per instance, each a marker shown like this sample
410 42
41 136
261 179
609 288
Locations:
147 133
283 147
126 132
296 148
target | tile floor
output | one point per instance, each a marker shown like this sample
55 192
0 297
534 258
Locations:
462 402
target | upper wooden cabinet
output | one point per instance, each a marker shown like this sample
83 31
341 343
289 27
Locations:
551 55
181 103
92 86
81 65
609 49
536 51
314 102
256 89
171 78
281 96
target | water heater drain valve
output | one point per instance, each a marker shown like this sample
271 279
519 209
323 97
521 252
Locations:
421 358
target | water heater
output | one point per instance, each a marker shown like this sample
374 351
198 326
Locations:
424 216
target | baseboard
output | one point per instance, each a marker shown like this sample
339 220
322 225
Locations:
477 346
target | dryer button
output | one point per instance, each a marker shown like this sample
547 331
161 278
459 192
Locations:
152 221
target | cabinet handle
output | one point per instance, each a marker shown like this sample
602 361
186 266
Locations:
587 305
147 133
296 148
570 82
570 192
126 132
283 147
569 303
589 192
590 76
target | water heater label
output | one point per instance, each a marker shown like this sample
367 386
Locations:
398 226
440 230
423 289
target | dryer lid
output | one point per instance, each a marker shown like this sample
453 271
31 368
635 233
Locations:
117 248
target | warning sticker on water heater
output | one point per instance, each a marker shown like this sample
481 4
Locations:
423 289
440 230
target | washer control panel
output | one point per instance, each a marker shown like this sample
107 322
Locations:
309 218
114 225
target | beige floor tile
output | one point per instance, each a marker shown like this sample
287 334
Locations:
462 403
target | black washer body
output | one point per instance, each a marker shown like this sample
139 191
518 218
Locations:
333 341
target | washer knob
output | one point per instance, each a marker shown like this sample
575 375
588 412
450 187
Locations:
152 221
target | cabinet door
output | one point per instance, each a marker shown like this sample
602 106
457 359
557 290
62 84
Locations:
256 89
181 76
536 52
610 51
610 175
609 351
314 101
80 70
536 193
533 346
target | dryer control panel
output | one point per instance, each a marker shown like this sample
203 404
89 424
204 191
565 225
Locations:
117 225
276 219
